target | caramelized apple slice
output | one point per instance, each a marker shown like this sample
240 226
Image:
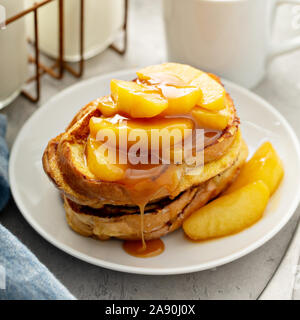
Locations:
182 96
107 106
102 166
217 120
181 100
228 214
143 128
212 95
137 100
173 73
265 165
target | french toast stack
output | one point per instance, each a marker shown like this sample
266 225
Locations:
105 208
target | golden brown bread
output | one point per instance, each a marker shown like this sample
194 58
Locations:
64 163
159 219
94 193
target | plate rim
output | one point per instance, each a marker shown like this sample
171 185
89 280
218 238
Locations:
143 270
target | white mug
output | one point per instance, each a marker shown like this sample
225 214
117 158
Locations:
13 52
231 38
103 21
287 23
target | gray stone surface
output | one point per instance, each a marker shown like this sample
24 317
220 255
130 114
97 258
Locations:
242 279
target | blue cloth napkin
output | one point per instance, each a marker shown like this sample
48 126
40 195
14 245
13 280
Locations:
22 276
4 186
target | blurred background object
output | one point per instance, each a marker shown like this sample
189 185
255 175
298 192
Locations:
231 38
13 54
287 22
66 30
104 20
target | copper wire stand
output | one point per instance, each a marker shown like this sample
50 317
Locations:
56 70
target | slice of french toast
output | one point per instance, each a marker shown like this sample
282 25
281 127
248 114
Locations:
160 218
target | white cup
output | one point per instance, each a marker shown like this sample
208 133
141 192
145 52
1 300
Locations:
231 38
287 23
103 20
13 52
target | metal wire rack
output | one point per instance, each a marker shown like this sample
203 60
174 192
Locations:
57 69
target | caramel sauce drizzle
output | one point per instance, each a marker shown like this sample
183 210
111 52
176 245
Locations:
144 181
135 248
143 189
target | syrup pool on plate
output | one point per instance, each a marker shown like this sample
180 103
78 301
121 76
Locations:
137 249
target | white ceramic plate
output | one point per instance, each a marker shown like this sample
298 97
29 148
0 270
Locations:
41 206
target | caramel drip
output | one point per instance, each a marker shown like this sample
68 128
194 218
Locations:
145 181
135 248
144 189
142 213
